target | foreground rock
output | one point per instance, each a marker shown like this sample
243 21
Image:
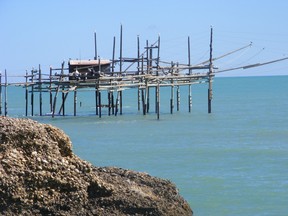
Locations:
40 175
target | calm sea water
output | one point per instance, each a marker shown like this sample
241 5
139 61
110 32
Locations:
233 161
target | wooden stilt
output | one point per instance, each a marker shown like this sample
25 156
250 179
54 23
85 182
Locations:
143 101
190 72
117 103
40 90
100 105
63 94
96 98
6 99
121 102
147 99
62 105
210 93
50 91
158 100
172 90
112 101
32 92
190 98
109 102
178 98
75 101
172 100
26 94
138 71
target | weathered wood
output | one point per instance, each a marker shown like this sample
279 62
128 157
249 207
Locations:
75 102
26 93
99 104
50 90
190 72
178 97
113 56
40 90
95 46
32 92
210 73
6 95
121 102
158 101
121 57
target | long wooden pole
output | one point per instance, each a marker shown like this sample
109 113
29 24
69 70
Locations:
32 92
100 105
75 101
95 46
121 59
26 94
158 55
40 90
50 90
113 56
63 94
6 99
138 71
158 100
121 102
210 73
190 71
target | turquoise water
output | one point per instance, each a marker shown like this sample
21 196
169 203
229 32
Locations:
230 162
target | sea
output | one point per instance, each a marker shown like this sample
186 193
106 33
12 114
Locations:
233 161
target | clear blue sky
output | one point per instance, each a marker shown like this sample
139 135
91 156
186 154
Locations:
37 32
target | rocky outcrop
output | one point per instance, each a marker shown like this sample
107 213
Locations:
40 175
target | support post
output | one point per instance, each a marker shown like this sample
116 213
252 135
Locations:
26 94
96 97
100 106
121 102
210 75
32 92
63 94
172 99
112 101
138 71
109 102
40 91
117 103
190 72
178 98
172 90
190 98
75 101
6 99
158 100
50 90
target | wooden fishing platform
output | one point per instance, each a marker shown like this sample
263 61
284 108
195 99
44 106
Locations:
143 72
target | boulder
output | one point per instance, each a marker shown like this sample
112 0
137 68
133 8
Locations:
40 175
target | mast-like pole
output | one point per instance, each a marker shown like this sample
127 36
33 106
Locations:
210 74
95 46
121 50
